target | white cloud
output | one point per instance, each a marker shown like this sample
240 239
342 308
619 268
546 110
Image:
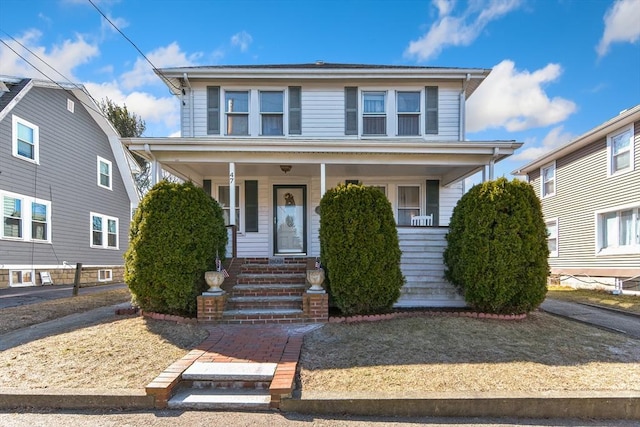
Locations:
621 24
242 40
107 27
515 100
554 139
462 30
63 57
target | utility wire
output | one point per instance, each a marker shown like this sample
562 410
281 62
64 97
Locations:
134 45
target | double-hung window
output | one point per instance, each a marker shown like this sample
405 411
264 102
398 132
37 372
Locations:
552 237
620 151
237 111
26 137
408 113
272 112
104 231
25 218
548 180
374 117
104 173
618 231
408 203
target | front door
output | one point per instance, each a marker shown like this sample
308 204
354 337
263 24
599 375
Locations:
290 219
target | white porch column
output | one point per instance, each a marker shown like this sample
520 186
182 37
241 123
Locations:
484 173
232 193
323 179
491 167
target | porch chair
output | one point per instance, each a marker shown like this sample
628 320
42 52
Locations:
422 220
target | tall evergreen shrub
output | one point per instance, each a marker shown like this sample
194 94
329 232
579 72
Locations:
174 236
497 248
360 249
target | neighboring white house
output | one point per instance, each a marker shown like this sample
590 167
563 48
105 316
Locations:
280 135
66 190
590 193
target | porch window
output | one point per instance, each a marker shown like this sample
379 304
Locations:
223 199
237 111
374 118
408 203
408 113
272 112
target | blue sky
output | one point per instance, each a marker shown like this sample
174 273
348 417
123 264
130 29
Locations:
560 67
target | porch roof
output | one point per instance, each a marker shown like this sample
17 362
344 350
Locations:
192 158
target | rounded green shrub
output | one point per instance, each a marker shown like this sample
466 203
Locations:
174 236
497 248
360 249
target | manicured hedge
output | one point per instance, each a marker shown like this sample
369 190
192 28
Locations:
497 248
359 249
175 234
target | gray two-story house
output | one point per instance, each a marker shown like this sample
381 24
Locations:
267 141
66 189
590 193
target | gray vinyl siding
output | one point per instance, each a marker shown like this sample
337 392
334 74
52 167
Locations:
582 188
69 144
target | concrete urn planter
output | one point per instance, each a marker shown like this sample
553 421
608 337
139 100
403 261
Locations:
316 279
214 279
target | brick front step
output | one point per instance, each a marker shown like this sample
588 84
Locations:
256 302
261 316
266 290
268 278
273 269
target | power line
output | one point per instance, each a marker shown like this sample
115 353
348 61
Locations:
134 45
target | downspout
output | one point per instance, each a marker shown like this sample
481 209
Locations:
154 165
191 124
463 99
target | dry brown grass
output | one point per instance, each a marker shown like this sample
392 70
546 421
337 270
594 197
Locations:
13 318
629 303
440 354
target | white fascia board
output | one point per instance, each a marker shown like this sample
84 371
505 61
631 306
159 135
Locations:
7 109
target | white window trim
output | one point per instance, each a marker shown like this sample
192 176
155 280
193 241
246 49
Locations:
27 210
239 201
36 140
70 106
261 113
105 228
22 283
617 250
555 179
226 113
387 105
419 113
556 253
610 137
107 273
103 160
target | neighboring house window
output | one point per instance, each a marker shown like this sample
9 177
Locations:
374 117
408 203
237 112
295 110
350 110
408 113
552 237
71 106
224 200
618 231
620 151
21 277
25 140
25 218
105 275
104 173
272 112
431 110
104 231
213 110
548 180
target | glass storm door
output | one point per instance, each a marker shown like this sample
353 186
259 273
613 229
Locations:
289 219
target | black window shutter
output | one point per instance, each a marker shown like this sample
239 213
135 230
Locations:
213 110
431 112
251 206
433 200
206 186
350 110
295 110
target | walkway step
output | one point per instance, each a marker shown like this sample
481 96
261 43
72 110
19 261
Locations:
210 371
272 302
217 399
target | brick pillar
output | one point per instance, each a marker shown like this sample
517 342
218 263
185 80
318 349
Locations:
315 307
210 307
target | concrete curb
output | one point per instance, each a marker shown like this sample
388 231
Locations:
597 404
11 398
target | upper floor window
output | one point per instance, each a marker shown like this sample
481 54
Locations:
618 231
104 173
552 237
104 231
548 180
620 151
374 117
272 112
237 112
25 218
408 113
25 140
